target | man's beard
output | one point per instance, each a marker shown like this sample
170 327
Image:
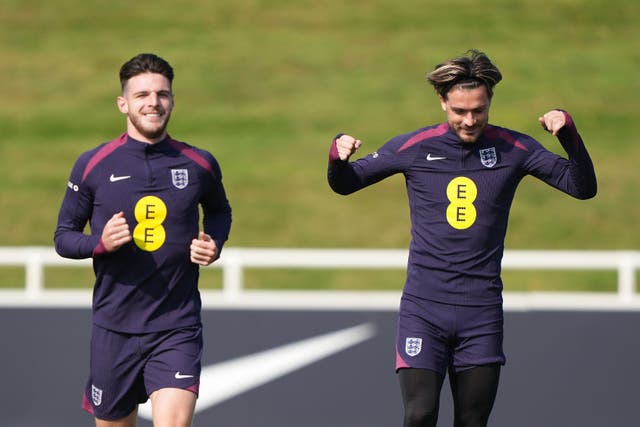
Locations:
149 132
469 135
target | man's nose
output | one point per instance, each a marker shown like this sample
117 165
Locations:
154 99
469 119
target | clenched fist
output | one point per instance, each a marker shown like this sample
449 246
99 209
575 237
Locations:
553 121
203 250
347 145
115 232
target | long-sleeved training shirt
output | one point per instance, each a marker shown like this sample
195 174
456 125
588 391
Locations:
150 283
460 195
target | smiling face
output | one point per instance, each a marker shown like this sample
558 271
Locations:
467 111
148 102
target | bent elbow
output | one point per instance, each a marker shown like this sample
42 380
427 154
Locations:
588 193
60 248
341 189
57 245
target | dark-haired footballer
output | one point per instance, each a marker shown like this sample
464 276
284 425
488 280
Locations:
141 194
461 177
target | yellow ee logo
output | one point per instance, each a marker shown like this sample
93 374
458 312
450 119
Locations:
461 192
149 234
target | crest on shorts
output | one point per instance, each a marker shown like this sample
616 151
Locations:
180 178
488 157
413 346
96 395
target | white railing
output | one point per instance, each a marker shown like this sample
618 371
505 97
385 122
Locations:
235 260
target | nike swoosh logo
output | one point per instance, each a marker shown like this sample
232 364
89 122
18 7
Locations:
431 158
113 178
180 376
225 380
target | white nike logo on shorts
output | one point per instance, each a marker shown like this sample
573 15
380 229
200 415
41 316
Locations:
180 376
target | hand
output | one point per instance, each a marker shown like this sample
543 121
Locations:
347 145
203 250
553 121
115 233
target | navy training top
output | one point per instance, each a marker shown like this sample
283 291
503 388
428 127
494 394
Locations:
150 283
460 195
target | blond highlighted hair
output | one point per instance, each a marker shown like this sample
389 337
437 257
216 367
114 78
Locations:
465 72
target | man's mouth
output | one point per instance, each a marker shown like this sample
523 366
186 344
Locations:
154 117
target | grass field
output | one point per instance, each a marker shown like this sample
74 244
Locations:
265 85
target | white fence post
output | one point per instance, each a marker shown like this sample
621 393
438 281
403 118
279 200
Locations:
232 273
627 277
34 274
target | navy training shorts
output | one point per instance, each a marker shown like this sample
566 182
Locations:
442 337
126 368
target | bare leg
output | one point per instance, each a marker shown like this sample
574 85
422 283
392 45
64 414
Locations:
172 407
128 421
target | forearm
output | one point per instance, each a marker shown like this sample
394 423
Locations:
341 175
75 244
217 224
581 170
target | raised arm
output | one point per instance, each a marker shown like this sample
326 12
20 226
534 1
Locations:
341 175
346 177
575 175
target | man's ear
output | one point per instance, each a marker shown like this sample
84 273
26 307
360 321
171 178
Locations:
122 105
443 103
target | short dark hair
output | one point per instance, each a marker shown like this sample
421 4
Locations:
466 72
144 63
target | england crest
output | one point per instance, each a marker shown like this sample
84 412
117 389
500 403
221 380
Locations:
96 395
413 346
180 178
488 157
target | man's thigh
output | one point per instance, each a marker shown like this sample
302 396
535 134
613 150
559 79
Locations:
172 407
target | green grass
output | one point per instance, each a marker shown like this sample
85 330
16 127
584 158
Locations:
265 85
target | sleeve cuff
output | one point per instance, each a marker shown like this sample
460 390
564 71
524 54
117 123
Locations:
99 249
